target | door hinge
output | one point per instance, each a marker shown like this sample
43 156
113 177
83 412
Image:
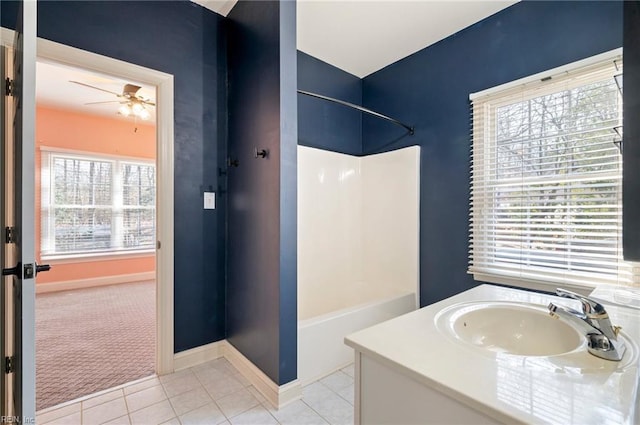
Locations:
8 87
9 364
9 234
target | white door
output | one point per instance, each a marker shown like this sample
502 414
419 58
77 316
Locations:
18 343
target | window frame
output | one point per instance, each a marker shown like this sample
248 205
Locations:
490 100
47 236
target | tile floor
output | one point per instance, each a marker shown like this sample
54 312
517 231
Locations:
210 393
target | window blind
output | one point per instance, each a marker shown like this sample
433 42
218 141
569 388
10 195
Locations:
546 182
93 204
139 197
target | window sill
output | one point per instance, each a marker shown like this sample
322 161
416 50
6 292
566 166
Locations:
533 285
98 256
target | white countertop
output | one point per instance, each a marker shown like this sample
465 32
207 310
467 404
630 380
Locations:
511 388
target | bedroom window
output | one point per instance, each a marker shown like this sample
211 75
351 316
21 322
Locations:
93 204
546 181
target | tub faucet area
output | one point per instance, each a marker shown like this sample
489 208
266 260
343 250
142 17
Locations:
602 336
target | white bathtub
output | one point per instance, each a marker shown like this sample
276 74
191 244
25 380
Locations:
321 348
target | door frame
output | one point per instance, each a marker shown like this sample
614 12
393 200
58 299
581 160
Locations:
68 55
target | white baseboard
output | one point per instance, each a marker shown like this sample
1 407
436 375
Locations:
277 395
198 355
66 285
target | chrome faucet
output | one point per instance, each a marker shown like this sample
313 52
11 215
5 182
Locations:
602 336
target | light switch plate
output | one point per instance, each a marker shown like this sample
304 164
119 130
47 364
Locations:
209 200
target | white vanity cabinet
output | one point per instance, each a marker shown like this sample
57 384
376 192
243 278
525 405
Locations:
388 395
407 371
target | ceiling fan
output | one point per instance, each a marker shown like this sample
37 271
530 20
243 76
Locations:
131 103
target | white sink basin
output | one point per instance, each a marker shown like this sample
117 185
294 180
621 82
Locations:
512 328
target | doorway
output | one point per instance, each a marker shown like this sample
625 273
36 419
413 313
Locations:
95 168
51 51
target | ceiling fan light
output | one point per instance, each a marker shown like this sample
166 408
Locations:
144 114
124 110
137 108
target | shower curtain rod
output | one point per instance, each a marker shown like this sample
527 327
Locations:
360 108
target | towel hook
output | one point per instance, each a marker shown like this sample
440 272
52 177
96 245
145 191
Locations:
262 153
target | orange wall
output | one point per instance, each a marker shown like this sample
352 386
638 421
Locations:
57 128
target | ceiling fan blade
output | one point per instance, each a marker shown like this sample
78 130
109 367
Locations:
96 88
108 101
146 102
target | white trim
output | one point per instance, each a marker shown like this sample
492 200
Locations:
60 53
551 73
277 395
67 285
91 155
199 355
24 154
532 284
165 221
99 256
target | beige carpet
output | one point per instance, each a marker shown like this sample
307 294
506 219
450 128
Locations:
93 339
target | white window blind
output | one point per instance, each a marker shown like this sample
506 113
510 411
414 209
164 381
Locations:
139 200
93 204
546 183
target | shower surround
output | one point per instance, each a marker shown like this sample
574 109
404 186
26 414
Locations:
358 240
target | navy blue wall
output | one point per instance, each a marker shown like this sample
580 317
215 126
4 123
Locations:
322 124
186 40
261 273
288 347
430 89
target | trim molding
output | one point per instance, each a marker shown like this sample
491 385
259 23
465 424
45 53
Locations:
114 256
66 285
199 355
52 51
277 395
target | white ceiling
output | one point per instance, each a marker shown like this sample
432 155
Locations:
54 89
364 36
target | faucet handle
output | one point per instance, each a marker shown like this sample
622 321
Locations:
589 306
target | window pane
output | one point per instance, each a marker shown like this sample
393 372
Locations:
139 184
81 182
82 229
139 228
558 134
